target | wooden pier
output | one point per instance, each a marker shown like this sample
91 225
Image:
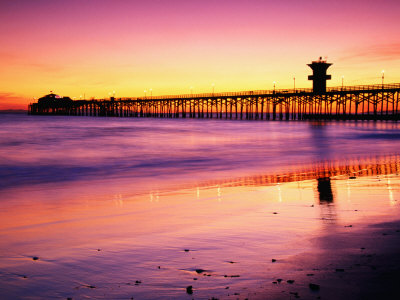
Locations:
364 102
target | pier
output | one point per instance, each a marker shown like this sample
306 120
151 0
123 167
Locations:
365 102
361 102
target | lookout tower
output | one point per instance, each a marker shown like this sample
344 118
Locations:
319 76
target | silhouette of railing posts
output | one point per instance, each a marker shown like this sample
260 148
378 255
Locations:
376 102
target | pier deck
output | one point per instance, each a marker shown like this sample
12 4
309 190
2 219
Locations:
363 102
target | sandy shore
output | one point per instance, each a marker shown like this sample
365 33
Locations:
358 262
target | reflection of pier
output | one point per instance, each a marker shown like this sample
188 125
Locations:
372 102
357 167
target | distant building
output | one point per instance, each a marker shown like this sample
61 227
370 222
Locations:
319 76
53 98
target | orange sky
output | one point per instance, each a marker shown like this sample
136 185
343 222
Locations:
93 48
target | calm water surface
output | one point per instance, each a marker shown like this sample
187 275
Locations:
120 208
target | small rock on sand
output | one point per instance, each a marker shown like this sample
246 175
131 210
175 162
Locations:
90 286
189 290
273 260
339 270
35 258
291 281
314 287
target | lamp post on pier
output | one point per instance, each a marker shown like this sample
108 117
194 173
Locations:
274 86
383 77
294 83
145 94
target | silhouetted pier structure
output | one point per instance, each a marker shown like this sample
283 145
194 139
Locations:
364 102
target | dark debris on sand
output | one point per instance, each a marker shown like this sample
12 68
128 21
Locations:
314 287
189 289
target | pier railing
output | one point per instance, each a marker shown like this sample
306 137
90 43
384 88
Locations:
375 102
271 93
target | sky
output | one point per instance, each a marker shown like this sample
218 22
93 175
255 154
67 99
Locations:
95 47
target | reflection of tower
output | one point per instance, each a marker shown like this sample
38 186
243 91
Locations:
325 190
319 76
325 196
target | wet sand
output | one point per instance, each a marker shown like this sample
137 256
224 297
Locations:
234 240
360 262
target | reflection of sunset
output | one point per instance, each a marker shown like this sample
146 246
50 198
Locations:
366 166
142 233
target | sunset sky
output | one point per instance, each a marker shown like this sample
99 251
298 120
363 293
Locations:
96 47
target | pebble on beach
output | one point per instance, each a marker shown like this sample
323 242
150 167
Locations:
35 258
314 287
189 289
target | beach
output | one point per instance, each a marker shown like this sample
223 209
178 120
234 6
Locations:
106 208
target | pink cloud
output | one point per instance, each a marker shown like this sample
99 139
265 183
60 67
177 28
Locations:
381 52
